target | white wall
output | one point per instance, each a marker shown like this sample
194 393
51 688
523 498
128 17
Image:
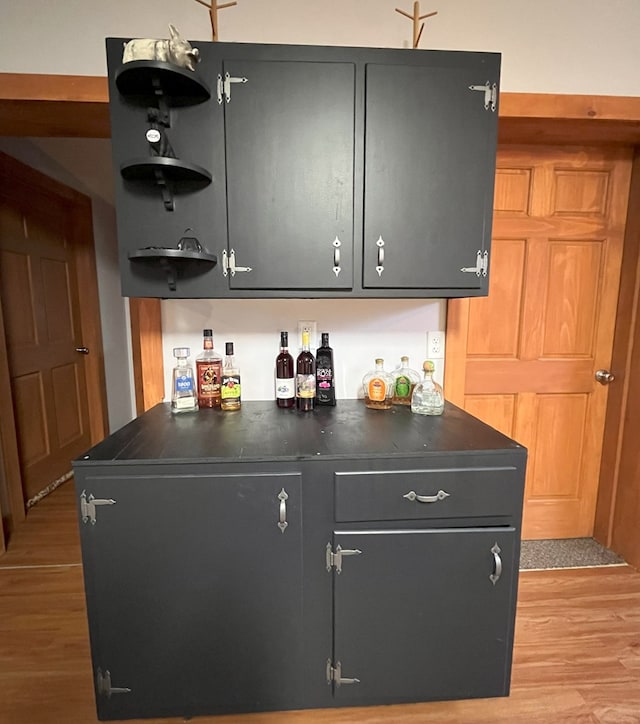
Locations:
115 329
548 46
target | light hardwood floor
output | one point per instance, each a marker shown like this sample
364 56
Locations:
577 654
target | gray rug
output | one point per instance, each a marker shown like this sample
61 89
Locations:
566 553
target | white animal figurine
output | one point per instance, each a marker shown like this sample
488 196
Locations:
175 50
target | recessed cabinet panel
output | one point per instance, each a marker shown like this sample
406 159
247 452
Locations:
424 614
289 139
198 593
429 167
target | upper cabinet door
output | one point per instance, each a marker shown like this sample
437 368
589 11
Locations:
429 171
289 144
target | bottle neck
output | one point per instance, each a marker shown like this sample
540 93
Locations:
207 343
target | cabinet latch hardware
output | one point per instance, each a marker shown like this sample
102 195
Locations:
482 264
497 564
88 506
103 685
440 495
224 86
229 264
334 560
490 91
334 674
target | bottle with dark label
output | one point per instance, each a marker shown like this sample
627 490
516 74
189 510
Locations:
209 373
325 381
285 381
230 388
305 376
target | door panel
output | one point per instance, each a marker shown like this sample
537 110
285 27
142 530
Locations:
524 358
417 596
42 327
193 574
447 144
290 167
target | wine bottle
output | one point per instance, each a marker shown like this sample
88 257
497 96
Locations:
285 382
325 382
305 376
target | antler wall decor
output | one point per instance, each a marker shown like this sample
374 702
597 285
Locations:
213 13
416 18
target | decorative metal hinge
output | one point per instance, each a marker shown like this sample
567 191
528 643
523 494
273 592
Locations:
482 264
229 264
103 685
88 506
334 560
224 86
490 91
334 675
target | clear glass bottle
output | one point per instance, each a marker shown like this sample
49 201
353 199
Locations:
428 396
325 381
378 387
285 380
183 387
404 381
230 388
305 376
209 372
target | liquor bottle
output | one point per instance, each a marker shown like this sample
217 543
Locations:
325 381
209 373
183 386
428 396
378 387
230 389
285 381
305 376
404 381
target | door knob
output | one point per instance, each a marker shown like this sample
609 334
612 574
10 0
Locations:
604 377
82 350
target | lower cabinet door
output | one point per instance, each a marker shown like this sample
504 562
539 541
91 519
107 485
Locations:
424 614
194 593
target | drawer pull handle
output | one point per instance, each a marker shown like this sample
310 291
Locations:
497 563
440 495
283 497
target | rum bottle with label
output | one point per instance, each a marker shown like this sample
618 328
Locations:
285 379
230 388
325 382
378 387
305 376
209 373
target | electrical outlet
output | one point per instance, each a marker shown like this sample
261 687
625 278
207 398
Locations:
435 345
313 333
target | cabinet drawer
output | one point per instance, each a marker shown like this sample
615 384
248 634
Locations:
435 493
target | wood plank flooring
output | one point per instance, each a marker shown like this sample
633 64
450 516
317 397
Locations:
577 654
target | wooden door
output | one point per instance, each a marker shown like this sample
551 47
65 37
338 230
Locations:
524 358
46 254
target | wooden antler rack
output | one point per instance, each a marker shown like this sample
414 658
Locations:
416 18
213 13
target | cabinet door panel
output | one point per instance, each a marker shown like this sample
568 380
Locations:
195 594
289 153
417 616
429 167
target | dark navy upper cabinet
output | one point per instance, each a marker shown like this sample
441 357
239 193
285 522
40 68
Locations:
305 171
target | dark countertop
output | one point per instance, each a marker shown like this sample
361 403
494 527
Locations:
262 431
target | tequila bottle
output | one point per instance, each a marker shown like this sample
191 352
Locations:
183 390
428 397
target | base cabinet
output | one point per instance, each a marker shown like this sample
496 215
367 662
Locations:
424 614
229 570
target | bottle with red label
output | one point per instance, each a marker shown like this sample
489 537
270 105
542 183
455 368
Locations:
209 373
377 386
